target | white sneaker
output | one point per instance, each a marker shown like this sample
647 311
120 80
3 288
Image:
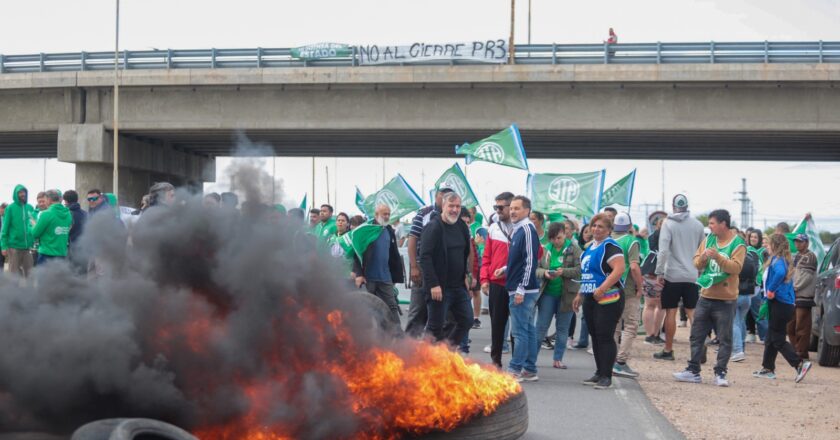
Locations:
487 349
589 350
720 380
504 350
750 339
738 357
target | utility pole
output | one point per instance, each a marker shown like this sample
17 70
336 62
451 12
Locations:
512 49
116 188
663 185
745 204
529 24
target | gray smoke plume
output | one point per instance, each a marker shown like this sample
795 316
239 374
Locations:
173 324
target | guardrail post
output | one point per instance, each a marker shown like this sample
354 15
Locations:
354 61
766 52
42 61
606 53
82 63
213 58
821 51
2 66
553 53
168 58
125 60
712 52
259 57
658 52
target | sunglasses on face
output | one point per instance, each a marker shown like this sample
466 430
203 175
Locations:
92 199
500 207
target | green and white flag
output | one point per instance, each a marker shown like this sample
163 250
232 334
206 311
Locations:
570 194
321 50
455 179
807 227
303 205
360 200
398 195
621 192
362 237
503 148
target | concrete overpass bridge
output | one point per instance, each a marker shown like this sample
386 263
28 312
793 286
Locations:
174 121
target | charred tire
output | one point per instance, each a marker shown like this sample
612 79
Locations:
380 313
827 355
130 429
508 422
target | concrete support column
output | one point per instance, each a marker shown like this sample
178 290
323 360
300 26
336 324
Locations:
90 147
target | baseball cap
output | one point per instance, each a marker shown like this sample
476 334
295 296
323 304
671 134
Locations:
800 237
680 203
622 222
444 188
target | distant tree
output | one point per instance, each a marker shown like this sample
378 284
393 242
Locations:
828 237
704 218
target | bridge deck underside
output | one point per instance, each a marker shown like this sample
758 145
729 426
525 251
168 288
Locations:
624 144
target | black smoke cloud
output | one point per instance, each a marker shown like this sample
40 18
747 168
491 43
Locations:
78 347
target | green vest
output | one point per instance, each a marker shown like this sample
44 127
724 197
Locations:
555 261
625 242
341 246
713 274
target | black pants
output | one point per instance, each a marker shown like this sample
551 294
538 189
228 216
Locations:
573 325
499 312
601 322
776 342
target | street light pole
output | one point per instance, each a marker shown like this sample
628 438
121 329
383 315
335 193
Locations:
512 50
117 107
529 24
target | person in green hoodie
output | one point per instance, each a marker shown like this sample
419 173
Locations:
16 239
326 225
52 229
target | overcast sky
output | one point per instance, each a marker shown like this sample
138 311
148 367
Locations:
781 191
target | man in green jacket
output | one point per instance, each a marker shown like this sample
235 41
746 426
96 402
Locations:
16 239
53 229
326 225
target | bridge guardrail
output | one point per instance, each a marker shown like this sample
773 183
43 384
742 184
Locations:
625 53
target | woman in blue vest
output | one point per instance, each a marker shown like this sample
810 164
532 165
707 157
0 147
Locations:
602 295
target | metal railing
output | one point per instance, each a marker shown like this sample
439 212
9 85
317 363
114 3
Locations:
626 53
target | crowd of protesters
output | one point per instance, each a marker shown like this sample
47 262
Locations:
605 277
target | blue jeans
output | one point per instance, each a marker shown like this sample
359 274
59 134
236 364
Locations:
755 305
549 307
525 343
43 259
583 337
739 328
459 302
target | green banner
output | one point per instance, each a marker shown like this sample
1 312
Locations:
455 179
303 205
570 194
397 195
807 227
621 192
503 148
321 50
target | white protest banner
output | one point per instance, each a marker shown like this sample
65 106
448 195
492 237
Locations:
488 51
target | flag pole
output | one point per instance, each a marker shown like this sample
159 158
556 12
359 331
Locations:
327 172
512 50
313 182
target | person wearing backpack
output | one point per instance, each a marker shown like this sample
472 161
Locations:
746 288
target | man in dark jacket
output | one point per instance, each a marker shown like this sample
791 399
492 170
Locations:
804 288
444 253
71 200
381 265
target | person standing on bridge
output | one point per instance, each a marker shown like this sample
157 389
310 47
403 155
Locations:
602 295
16 239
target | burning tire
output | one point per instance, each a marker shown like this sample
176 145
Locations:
380 313
130 429
508 422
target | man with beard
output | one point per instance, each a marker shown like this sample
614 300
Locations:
444 253
494 258
380 266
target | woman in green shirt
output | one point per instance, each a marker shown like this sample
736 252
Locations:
341 247
558 267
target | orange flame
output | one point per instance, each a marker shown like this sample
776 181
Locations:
426 388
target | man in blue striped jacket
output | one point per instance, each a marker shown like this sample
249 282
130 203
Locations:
523 287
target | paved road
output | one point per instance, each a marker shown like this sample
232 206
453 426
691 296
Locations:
561 407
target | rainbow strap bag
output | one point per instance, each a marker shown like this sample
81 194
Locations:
612 295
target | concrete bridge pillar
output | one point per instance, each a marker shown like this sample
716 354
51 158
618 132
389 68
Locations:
142 163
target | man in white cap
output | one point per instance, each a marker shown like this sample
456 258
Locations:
632 278
679 238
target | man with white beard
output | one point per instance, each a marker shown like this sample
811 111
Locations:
444 253
381 266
